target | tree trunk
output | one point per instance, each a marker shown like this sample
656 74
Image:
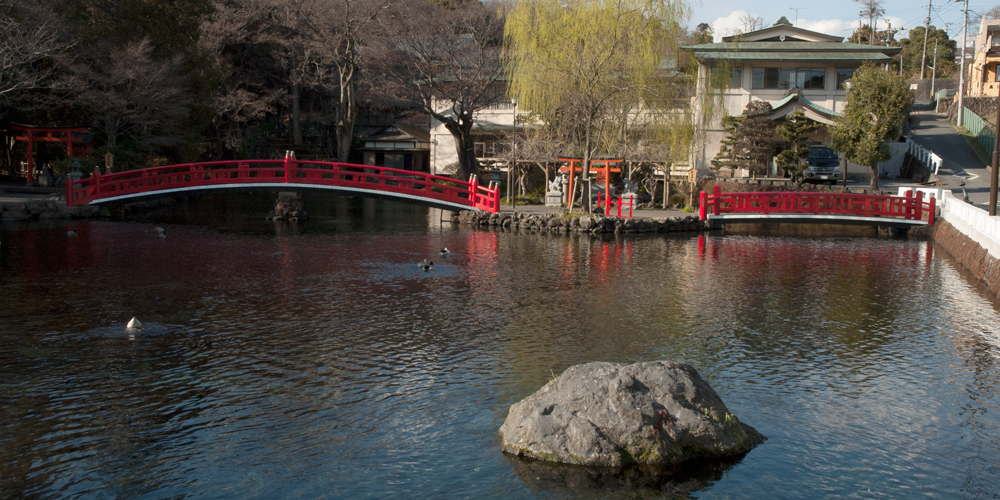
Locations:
296 126
585 200
465 145
346 114
873 187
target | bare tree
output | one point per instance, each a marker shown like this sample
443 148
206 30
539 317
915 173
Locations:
873 10
128 94
451 58
750 22
238 56
330 37
993 13
29 38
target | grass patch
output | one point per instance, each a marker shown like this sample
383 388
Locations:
984 157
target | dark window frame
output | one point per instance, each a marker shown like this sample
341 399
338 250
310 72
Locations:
805 78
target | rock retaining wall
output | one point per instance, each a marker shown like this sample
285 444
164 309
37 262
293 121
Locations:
972 256
33 210
584 224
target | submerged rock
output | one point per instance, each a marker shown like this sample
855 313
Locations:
614 415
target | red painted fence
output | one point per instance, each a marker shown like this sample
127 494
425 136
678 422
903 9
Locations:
911 207
289 170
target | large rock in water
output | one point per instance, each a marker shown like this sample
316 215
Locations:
613 414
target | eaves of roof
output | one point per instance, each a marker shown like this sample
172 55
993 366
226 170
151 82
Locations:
822 113
791 47
794 56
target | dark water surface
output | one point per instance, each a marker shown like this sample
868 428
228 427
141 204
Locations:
318 361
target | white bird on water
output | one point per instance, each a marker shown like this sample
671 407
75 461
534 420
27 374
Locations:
133 326
70 234
428 268
445 251
425 263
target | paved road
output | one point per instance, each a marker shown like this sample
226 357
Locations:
934 132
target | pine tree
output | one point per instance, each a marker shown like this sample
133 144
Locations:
748 143
793 130
726 158
754 143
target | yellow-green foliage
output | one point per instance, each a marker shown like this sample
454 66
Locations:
585 66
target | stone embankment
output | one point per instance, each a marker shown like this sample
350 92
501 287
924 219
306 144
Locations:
42 209
969 254
596 224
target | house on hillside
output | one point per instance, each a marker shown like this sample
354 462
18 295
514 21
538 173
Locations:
791 68
984 79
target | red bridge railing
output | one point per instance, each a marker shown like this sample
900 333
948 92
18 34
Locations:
251 172
911 207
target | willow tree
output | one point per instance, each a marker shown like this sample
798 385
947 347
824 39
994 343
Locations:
876 107
570 62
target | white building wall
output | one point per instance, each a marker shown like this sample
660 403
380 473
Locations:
444 153
736 99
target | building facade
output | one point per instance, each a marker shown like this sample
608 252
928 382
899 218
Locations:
789 67
984 79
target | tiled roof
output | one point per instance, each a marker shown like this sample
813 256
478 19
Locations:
793 51
805 103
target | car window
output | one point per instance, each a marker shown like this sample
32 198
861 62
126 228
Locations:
822 153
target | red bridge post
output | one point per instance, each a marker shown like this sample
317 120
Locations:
703 206
716 198
930 213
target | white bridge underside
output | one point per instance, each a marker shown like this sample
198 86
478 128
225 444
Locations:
291 186
853 220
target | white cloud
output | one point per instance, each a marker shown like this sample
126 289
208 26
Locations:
725 26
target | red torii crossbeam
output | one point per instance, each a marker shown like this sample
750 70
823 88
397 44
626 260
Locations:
48 134
602 171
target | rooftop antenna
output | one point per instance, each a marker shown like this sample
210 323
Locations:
797 9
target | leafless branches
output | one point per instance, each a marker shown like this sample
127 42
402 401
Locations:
29 39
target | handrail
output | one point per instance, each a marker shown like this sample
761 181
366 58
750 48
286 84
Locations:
910 207
287 170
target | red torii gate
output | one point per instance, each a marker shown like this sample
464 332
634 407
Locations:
49 134
602 171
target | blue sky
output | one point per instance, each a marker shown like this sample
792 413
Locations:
839 17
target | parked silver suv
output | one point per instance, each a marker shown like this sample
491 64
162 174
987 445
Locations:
824 165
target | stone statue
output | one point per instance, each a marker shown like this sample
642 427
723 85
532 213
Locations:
628 186
555 187
553 197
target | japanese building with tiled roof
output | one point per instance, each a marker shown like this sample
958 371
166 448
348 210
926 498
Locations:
791 68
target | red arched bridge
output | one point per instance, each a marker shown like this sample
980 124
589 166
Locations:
817 208
286 175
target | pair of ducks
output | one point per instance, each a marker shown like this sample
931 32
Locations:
427 265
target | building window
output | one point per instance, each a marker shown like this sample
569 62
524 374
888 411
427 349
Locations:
733 80
784 78
996 72
844 74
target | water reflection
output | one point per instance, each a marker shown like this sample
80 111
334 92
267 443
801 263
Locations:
318 359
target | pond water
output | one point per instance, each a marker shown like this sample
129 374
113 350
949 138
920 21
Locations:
317 360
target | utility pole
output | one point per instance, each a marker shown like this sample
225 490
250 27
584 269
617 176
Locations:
927 26
961 70
934 73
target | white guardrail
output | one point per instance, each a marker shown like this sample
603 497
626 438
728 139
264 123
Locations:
974 222
924 155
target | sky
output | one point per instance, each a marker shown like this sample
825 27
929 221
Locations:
839 17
